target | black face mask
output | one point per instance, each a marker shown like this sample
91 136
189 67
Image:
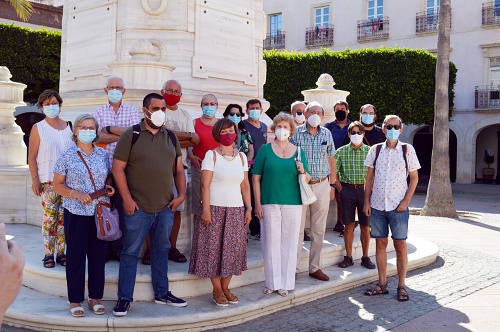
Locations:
340 115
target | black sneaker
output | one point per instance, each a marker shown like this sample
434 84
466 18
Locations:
170 299
339 227
121 308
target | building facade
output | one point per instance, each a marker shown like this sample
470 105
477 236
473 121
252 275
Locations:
309 25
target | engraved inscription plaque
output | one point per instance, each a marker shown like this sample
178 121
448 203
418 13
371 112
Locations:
225 44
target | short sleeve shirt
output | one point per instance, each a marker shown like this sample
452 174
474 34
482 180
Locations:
149 169
77 176
179 120
258 135
338 133
390 186
350 163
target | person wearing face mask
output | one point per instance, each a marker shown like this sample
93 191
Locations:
72 180
203 127
219 238
373 133
351 173
152 162
317 142
114 118
338 128
386 200
234 112
297 109
49 138
278 204
258 133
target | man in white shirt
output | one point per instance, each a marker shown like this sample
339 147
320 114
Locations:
386 199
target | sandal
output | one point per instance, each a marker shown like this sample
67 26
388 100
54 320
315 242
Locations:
220 300
97 309
231 298
346 262
268 291
61 259
48 262
403 294
176 256
382 290
146 259
282 292
77 311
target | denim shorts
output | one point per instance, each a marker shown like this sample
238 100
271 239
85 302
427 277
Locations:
396 221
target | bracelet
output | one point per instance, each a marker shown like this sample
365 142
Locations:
248 208
71 193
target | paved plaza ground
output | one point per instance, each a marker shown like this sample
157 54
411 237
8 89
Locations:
460 291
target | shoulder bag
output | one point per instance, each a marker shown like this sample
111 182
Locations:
306 194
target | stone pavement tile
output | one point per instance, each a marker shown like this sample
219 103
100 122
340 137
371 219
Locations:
483 326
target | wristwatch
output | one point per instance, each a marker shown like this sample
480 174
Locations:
108 129
248 208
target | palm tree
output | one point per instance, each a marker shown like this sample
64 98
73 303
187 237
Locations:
23 8
439 200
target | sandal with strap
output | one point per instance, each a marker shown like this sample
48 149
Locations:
61 259
48 261
220 299
403 294
374 291
231 298
146 259
97 309
77 311
282 292
175 255
268 291
346 262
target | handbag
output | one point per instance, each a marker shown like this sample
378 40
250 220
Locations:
306 194
107 220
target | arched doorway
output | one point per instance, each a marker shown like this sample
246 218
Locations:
422 142
487 144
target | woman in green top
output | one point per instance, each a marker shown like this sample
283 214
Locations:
278 205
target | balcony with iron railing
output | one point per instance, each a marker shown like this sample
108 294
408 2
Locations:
427 23
319 36
487 98
371 29
275 41
491 14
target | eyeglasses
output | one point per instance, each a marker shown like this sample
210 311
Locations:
209 104
356 132
389 127
172 92
115 88
237 114
85 128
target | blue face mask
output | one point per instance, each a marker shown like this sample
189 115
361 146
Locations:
51 111
236 119
86 136
115 96
367 118
254 114
392 134
209 111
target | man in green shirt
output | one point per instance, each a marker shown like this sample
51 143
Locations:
352 172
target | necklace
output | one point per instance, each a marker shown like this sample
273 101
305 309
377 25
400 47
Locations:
283 150
228 158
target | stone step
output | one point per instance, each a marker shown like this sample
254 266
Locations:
53 281
42 312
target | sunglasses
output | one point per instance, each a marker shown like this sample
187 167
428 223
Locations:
389 127
298 113
356 133
237 114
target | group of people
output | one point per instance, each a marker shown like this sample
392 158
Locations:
237 180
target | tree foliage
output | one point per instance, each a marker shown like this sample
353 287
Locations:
396 80
33 58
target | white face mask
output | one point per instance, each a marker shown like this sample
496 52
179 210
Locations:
300 118
282 134
314 120
158 118
356 139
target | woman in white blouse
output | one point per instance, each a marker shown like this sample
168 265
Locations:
219 239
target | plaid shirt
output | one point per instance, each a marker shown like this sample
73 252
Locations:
127 116
317 148
350 163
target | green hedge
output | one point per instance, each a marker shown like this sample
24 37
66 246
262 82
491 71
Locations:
395 80
33 58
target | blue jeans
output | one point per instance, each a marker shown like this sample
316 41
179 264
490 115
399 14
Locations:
397 221
136 227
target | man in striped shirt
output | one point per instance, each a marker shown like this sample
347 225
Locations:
352 172
317 143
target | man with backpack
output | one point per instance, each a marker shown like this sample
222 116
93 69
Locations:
386 200
150 155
